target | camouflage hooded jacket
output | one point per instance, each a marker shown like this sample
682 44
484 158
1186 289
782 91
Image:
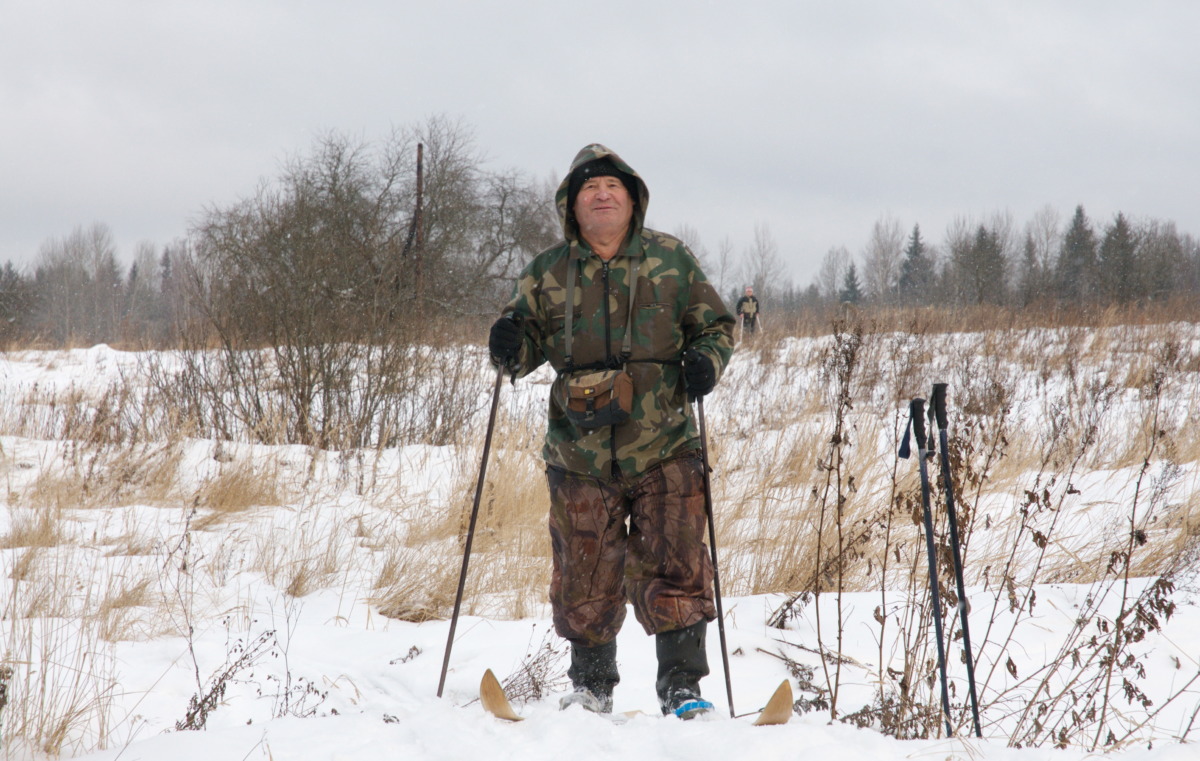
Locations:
675 308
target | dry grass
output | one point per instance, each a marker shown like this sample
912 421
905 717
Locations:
302 556
71 477
118 612
136 542
766 447
23 564
33 591
56 490
415 585
34 527
76 687
1068 411
510 550
511 546
68 688
237 486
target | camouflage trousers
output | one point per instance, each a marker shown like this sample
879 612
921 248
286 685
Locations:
637 539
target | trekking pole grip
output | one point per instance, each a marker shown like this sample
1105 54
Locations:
916 409
939 404
690 356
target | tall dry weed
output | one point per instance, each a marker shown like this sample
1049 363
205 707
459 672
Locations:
1043 447
63 673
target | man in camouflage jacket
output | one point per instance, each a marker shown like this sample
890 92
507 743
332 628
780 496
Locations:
673 340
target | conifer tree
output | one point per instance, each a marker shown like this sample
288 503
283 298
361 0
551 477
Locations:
1031 278
916 269
1076 272
1163 261
986 273
851 292
1120 277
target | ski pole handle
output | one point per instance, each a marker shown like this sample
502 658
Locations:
916 410
938 399
691 355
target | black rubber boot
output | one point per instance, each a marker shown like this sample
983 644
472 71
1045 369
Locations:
593 674
682 663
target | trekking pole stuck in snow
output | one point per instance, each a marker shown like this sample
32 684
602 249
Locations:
938 412
712 546
916 427
462 575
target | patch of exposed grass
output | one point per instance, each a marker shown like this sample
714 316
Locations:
35 527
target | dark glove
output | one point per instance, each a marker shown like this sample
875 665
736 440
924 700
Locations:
699 375
505 341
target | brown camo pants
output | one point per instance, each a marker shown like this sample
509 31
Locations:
659 562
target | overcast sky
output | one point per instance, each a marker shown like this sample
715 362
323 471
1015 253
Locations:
813 118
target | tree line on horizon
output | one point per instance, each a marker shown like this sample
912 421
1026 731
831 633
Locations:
1043 263
358 241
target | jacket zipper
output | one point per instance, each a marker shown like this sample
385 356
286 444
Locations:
607 318
612 430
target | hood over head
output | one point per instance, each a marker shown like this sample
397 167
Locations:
606 163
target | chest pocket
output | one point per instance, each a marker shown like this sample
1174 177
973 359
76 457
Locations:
658 330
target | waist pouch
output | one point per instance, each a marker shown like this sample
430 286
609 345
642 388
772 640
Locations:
598 399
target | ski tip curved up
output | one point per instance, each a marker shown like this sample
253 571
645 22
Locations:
494 701
491 695
779 708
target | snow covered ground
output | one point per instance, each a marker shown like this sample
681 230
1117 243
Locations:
387 709
323 675
378 681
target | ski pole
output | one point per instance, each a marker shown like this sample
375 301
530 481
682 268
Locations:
712 546
916 422
939 412
462 575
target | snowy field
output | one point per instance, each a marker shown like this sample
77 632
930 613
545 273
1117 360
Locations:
145 603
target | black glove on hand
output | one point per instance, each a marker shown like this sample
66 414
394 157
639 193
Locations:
505 340
699 375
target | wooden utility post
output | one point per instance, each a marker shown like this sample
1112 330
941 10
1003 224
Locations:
419 237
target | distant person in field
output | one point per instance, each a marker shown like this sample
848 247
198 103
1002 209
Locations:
747 311
632 328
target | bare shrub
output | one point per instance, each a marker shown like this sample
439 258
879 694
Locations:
381 395
541 672
309 298
242 656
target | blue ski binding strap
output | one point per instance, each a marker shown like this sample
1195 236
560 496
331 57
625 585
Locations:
693 708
